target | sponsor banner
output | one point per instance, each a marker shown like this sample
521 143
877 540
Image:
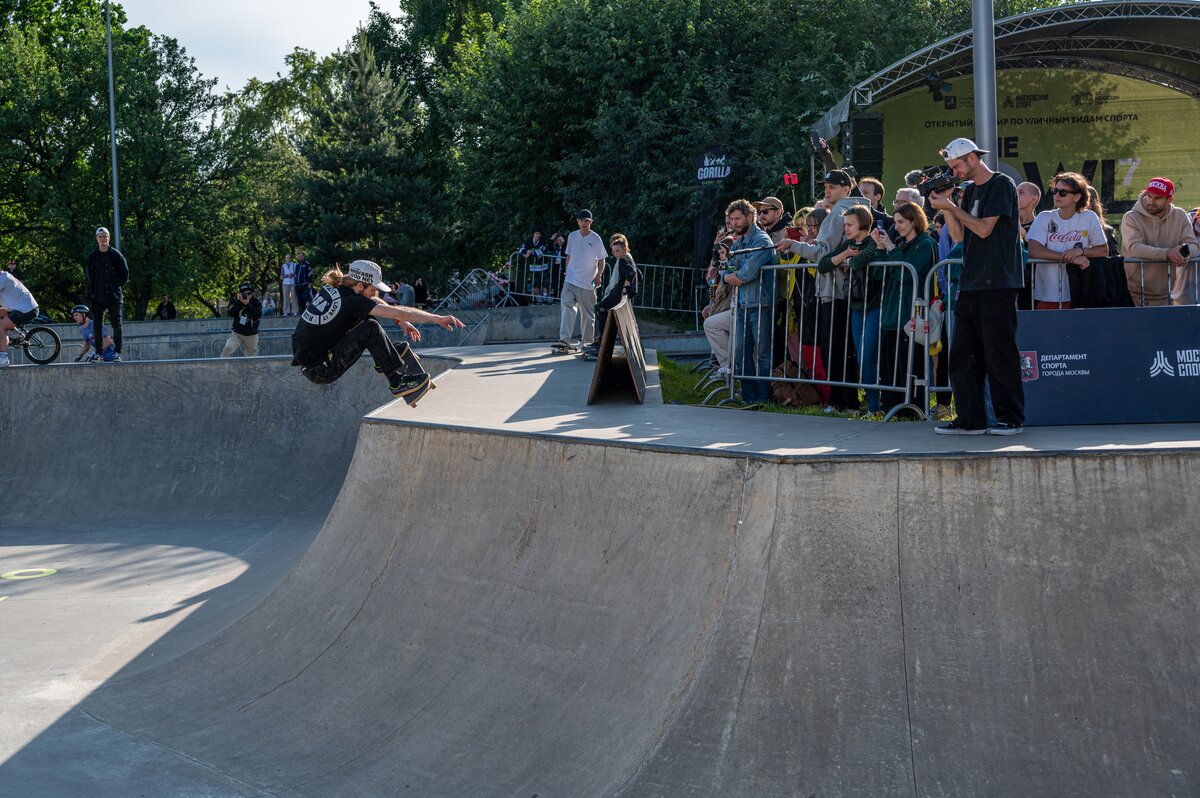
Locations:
1110 365
1119 132
715 165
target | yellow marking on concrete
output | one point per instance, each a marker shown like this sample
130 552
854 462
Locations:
29 573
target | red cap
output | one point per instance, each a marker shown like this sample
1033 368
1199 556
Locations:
1161 187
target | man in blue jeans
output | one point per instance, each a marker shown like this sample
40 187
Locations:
756 295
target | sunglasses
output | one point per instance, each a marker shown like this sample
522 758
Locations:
1062 192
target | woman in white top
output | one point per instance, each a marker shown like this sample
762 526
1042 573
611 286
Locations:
1068 234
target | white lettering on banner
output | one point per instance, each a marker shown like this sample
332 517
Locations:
1067 365
1187 362
712 172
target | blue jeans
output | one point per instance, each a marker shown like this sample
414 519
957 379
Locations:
866 345
754 340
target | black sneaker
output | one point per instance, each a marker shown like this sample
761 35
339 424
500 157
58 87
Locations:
954 428
1006 429
405 384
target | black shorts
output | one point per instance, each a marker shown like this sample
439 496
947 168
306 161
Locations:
22 317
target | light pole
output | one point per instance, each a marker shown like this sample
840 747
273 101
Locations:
112 133
983 45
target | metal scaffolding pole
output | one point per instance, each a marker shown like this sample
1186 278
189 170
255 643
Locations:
112 133
984 49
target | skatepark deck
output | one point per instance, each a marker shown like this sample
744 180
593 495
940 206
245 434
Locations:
517 594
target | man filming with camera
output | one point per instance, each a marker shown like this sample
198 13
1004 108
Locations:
984 342
246 311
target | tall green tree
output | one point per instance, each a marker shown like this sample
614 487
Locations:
361 192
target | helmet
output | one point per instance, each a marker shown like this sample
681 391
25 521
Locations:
80 309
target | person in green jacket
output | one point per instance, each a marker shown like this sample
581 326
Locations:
917 247
862 290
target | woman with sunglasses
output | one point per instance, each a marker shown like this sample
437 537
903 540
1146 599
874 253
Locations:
1069 234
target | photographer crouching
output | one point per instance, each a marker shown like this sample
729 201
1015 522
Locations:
984 340
246 311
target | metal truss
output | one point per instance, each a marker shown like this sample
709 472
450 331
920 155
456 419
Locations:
951 57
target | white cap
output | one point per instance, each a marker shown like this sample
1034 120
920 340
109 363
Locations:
961 148
366 271
100 230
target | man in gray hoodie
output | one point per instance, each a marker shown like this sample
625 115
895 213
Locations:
833 311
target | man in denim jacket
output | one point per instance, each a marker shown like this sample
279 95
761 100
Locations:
756 295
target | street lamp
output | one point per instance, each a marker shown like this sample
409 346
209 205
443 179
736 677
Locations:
112 133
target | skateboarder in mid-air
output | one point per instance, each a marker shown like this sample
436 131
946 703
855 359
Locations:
337 325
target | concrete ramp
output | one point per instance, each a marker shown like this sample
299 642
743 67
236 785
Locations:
510 612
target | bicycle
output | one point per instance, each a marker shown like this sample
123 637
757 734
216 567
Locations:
41 344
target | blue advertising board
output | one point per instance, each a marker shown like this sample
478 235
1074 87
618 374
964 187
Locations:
1110 365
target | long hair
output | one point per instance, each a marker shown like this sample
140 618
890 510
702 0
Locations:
336 276
1078 183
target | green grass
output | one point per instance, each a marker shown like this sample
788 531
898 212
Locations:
678 385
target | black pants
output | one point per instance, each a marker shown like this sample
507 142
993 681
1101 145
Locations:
368 335
116 314
607 303
837 350
893 365
985 345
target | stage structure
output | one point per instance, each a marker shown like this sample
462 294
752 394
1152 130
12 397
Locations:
1111 89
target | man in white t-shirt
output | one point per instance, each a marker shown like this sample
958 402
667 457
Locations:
1068 234
585 264
17 306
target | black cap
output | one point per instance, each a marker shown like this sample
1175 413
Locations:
584 214
838 178
245 288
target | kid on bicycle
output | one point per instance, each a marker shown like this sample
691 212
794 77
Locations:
17 307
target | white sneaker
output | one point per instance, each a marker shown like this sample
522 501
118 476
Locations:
4 360
723 371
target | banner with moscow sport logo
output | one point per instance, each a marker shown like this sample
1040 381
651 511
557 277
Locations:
1110 365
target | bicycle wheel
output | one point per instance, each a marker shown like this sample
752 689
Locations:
42 345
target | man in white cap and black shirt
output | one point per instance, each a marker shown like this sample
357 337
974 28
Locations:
340 322
106 273
984 342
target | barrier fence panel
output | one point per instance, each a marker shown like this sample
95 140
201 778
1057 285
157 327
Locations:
841 332
1173 287
538 278
1149 283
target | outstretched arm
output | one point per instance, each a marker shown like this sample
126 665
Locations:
406 316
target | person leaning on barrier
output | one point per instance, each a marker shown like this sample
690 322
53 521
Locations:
1069 234
915 246
717 315
165 310
833 319
984 343
755 298
246 312
1156 231
849 263
624 284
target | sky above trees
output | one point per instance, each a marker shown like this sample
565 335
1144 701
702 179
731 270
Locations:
235 40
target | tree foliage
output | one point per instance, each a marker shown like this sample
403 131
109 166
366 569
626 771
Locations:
434 141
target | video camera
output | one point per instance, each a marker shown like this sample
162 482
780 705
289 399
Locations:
936 179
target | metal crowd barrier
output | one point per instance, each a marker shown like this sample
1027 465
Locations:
811 326
1183 287
539 277
1187 281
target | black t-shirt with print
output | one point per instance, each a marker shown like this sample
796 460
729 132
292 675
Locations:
994 262
329 315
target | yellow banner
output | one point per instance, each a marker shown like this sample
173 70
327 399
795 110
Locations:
1117 131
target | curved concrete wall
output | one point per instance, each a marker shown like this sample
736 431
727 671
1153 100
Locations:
489 614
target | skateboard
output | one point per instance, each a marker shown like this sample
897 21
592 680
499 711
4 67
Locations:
415 396
568 349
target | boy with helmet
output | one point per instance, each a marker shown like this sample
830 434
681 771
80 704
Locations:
341 321
87 330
